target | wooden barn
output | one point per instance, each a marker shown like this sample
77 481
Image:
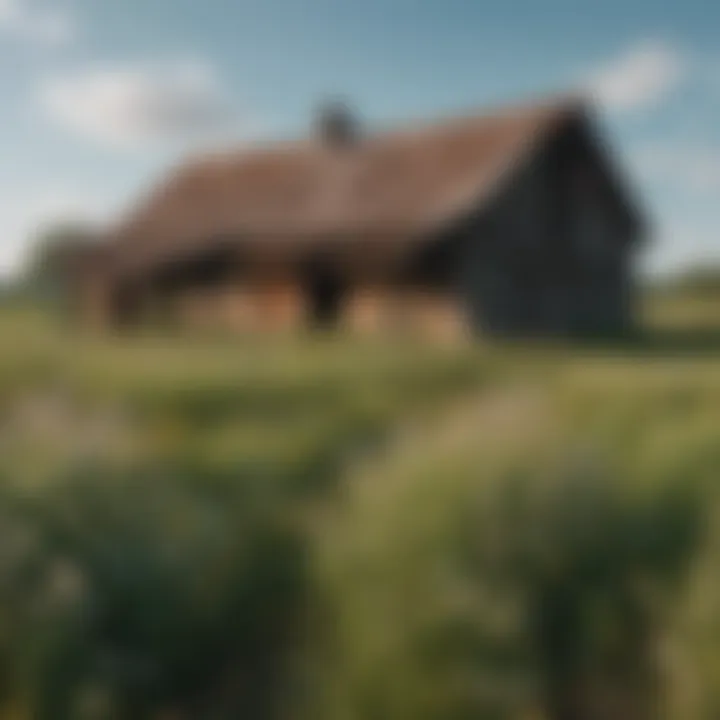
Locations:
514 222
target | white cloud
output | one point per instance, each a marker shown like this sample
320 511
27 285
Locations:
36 23
640 77
135 105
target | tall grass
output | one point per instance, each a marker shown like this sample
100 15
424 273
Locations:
328 528
529 566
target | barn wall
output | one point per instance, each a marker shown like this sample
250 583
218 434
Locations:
261 306
603 245
509 279
282 305
399 311
550 256
602 297
94 302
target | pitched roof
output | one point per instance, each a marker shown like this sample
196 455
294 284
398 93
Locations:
398 183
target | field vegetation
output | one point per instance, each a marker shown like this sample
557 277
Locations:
321 528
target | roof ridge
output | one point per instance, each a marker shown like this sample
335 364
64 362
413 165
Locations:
553 106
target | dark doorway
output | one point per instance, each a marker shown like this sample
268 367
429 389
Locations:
126 306
325 293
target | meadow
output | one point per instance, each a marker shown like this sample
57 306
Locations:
324 528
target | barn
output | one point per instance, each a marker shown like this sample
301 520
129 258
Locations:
514 222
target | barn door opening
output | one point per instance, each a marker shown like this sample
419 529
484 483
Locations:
325 292
126 306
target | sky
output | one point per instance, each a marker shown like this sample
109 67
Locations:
101 97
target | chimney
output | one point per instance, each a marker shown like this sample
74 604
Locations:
336 125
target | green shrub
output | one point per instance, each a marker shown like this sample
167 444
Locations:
152 592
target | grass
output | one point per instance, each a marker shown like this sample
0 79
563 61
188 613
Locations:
191 508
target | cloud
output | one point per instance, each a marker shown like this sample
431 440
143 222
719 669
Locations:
36 23
641 77
139 104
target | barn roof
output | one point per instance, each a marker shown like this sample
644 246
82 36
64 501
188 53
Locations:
401 183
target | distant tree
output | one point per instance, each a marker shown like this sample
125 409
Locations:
703 280
55 259
699 280
9 291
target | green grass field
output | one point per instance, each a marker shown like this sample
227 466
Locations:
334 529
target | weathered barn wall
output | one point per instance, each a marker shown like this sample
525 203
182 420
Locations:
603 245
366 311
284 305
551 255
506 275
405 312
277 305
94 302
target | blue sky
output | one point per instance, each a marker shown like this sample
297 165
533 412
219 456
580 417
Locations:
100 96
